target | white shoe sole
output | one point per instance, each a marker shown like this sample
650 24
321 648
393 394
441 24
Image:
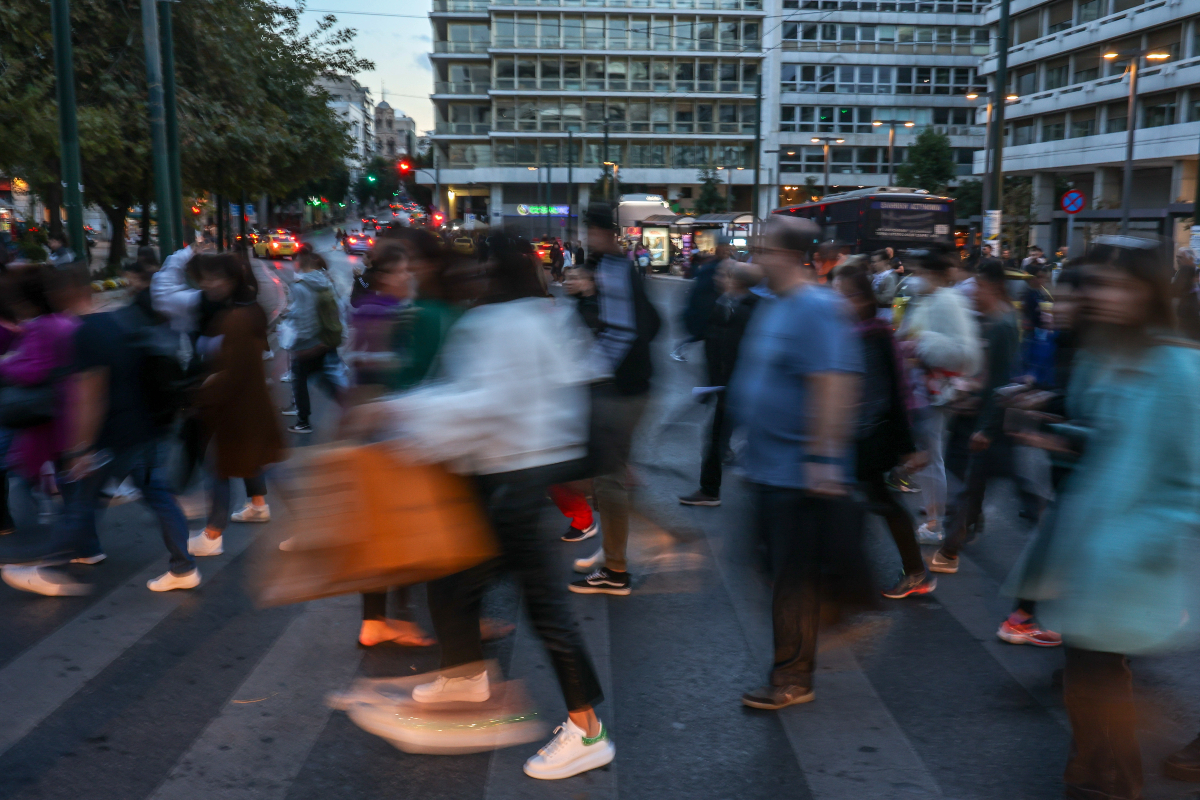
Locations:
617 590
601 757
201 551
239 518
589 533
444 740
171 583
588 565
16 578
90 560
476 696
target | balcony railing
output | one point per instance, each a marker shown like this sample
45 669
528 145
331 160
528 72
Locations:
461 87
625 127
460 5
679 46
463 128
905 48
460 47
579 85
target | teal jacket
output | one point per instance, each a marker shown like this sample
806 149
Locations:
1114 565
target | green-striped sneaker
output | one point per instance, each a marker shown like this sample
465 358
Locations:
570 753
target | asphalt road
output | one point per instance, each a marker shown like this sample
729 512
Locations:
194 696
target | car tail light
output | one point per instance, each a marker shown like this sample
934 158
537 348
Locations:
370 241
275 245
352 240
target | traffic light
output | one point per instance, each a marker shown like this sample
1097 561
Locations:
438 217
405 167
370 179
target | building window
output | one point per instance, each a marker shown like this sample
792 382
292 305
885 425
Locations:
1054 128
1158 111
1091 10
1083 123
1023 133
788 74
1116 118
1056 74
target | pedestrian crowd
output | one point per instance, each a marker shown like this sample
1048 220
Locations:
837 383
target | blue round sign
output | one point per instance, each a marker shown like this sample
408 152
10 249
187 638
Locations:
1073 201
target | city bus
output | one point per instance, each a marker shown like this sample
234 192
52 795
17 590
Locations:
871 219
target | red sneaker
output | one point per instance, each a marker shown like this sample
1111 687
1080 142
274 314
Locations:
1028 633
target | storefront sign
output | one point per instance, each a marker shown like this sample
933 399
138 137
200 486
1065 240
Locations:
543 211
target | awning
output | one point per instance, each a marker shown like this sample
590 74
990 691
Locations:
668 219
734 217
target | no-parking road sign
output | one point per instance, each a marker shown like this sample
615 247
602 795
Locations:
1073 201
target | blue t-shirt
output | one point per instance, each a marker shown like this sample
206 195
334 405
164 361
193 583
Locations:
789 338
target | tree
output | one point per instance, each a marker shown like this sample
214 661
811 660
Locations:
929 163
810 186
710 200
968 199
379 182
249 116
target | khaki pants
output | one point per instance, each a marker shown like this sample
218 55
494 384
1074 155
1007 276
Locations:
612 490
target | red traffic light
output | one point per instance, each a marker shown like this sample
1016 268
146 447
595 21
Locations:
405 166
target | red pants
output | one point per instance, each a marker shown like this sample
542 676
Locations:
572 503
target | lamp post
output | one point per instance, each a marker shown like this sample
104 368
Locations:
1134 56
987 145
825 141
892 123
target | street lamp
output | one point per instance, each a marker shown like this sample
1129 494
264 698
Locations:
987 145
728 187
892 123
612 185
1131 122
825 141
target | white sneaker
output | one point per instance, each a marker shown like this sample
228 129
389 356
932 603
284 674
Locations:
169 580
927 535
588 565
570 753
253 513
473 689
43 581
96 559
201 545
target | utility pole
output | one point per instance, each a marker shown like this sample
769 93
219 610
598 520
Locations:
68 127
608 187
757 147
826 140
571 182
168 67
219 205
991 216
242 220
158 128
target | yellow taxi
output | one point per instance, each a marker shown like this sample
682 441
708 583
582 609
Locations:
277 244
464 245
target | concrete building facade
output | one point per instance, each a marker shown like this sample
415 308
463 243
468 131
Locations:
394 135
352 101
1068 128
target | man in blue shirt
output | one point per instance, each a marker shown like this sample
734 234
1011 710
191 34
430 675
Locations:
795 391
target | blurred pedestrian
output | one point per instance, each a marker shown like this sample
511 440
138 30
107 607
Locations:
940 339
883 437
884 282
728 318
509 408
316 316
234 401
620 357
1099 578
795 392
702 296
61 253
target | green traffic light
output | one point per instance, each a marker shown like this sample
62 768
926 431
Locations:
370 178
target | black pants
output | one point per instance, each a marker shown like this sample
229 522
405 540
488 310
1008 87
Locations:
302 370
514 502
881 501
714 452
972 472
1105 762
375 604
786 523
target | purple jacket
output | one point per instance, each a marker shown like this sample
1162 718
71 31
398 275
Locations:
46 344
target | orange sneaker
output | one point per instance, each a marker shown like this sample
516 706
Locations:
1027 633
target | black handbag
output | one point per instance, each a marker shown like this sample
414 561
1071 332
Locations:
27 406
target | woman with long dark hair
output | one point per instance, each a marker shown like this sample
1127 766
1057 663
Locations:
1112 568
234 401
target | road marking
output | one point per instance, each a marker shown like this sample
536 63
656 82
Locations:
46 675
257 745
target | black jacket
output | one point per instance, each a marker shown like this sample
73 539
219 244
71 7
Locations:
726 325
701 298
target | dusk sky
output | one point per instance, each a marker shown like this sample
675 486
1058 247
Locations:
399 46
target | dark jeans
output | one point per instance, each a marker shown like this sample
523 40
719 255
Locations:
302 370
514 502
882 501
1105 762
222 490
973 471
75 535
714 453
375 604
786 521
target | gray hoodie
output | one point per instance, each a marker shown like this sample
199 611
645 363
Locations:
302 312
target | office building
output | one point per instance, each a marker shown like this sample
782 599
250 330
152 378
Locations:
1069 125
352 102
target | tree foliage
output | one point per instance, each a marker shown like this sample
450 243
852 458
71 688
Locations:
250 117
968 199
710 200
379 182
929 163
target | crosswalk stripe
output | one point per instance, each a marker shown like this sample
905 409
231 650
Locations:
835 757
46 675
256 746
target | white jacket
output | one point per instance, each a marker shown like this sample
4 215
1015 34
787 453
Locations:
172 295
946 333
511 392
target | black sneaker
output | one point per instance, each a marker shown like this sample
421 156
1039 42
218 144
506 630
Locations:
602 581
301 427
574 534
699 499
921 583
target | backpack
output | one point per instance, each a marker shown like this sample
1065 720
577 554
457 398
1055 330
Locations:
163 381
329 320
